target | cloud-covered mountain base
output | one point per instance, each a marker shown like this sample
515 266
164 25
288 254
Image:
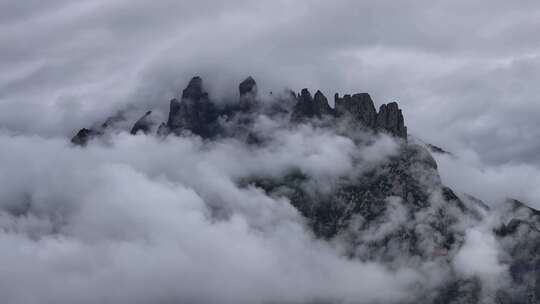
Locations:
279 199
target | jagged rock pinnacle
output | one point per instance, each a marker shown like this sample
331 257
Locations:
390 119
248 93
144 124
248 86
320 104
86 134
194 90
309 107
359 105
195 112
83 136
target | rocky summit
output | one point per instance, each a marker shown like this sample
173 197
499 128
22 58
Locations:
394 211
194 112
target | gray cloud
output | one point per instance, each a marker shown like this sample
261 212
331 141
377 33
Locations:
133 222
136 213
492 183
464 71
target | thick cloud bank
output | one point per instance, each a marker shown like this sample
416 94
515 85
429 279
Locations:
149 219
146 220
465 72
492 183
153 219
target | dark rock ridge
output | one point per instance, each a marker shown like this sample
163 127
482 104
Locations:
248 94
437 149
248 86
194 112
332 213
308 107
520 240
84 135
359 106
144 124
357 208
391 120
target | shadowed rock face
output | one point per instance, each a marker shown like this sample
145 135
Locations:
84 135
194 90
366 195
308 107
390 119
248 94
436 149
248 86
194 112
520 239
144 124
359 106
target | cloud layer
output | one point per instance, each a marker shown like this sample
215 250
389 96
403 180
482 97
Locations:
465 72
136 219
151 219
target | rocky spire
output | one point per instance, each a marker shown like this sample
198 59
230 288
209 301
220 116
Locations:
359 105
84 135
194 112
248 86
320 105
309 107
177 115
248 92
144 124
194 90
390 119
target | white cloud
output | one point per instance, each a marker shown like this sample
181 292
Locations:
479 256
490 182
143 219
135 221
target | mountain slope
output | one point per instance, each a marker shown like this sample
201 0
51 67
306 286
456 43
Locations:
390 205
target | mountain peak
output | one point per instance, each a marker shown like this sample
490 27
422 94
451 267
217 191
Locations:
404 186
390 119
194 89
308 107
359 105
196 113
247 86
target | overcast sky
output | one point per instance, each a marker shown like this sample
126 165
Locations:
130 219
465 72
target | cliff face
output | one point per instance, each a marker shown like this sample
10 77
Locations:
361 208
144 124
359 107
195 113
308 107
